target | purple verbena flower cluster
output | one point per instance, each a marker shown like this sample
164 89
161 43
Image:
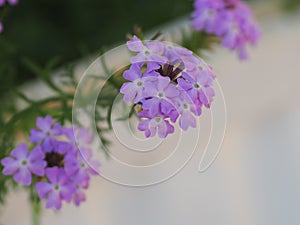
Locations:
169 83
231 20
61 171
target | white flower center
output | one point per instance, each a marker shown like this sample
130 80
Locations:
157 119
185 106
210 13
234 28
146 52
160 94
139 83
169 47
24 162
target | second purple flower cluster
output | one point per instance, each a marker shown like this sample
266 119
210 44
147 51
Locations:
231 20
55 166
169 83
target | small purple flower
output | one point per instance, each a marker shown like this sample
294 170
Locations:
1 27
80 183
46 133
149 52
78 138
81 164
133 91
199 88
58 188
158 124
187 108
159 96
23 164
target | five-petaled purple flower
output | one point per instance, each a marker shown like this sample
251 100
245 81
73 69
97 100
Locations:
22 164
133 91
150 51
157 124
56 189
176 87
46 133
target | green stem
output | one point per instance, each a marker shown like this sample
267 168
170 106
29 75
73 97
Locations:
35 207
36 212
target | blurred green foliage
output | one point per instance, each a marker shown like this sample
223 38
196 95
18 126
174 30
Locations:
291 4
43 29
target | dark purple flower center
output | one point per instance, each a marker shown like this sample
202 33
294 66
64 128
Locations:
229 4
170 71
54 159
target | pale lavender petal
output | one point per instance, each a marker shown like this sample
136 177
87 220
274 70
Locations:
162 130
52 174
171 91
67 192
10 166
155 46
157 58
23 175
135 45
36 154
54 201
133 73
20 152
79 197
43 189
44 123
38 167
184 84
36 136
162 83
129 91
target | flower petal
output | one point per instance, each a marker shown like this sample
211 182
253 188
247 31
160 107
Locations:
23 175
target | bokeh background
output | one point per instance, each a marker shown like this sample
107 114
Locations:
256 177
